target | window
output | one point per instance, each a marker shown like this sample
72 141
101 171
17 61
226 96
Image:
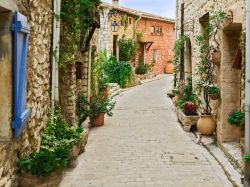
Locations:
155 56
156 30
130 21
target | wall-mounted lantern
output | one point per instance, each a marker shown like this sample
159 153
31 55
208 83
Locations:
114 26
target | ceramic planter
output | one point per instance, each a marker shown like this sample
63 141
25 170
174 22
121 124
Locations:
169 69
98 121
238 133
216 58
214 96
206 125
51 180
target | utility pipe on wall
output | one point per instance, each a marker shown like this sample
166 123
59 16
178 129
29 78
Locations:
247 99
55 53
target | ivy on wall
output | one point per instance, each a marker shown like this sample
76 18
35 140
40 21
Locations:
77 16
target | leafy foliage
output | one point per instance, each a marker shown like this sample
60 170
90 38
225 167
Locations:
186 95
45 161
247 158
127 49
118 71
205 67
190 108
76 17
99 78
178 46
236 118
99 104
58 134
213 90
142 69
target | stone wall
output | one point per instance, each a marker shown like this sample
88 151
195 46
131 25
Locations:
226 77
38 76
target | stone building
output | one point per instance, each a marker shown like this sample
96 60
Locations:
27 87
155 44
191 16
38 67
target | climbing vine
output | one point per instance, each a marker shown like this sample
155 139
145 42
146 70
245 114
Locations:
207 41
77 16
178 46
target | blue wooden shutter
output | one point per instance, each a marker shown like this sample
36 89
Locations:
21 114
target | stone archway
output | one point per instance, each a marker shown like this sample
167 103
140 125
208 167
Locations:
188 59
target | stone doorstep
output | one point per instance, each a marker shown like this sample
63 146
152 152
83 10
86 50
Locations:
186 121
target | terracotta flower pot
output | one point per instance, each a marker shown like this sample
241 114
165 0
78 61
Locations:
237 132
98 121
216 58
214 96
169 69
206 125
51 180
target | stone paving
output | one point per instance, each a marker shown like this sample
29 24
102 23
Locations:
144 145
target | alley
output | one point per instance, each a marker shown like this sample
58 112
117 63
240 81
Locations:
144 145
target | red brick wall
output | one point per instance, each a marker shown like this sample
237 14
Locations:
162 43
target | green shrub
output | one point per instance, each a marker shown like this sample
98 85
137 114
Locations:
127 49
118 71
58 134
213 90
141 69
45 161
236 118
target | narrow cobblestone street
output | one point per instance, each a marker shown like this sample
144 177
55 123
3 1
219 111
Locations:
144 145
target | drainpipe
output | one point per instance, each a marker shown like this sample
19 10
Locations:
89 71
247 104
55 54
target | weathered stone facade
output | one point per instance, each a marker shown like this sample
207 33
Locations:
39 17
226 77
132 22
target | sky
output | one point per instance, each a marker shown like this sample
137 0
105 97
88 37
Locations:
164 8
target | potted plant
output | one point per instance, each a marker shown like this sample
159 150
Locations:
190 109
99 106
216 57
169 69
43 168
213 92
236 120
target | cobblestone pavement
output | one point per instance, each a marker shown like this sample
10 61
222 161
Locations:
144 145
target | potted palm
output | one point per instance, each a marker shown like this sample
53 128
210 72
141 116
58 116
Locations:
213 92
